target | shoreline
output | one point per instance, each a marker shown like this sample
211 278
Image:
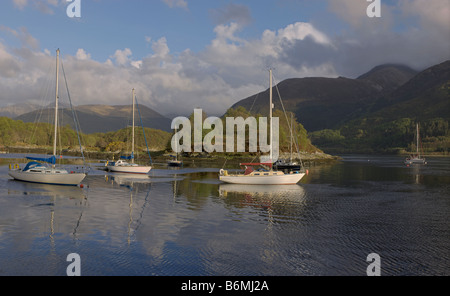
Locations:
99 155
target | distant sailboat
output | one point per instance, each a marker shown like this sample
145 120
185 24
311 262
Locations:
416 158
262 177
36 172
122 166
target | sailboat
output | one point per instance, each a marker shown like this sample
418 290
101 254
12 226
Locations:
416 158
262 176
122 165
38 172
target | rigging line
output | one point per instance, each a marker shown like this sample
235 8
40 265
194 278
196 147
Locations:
44 93
289 124
224 162
256 97
143 130
75 118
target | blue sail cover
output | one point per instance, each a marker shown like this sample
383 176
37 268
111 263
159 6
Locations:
51 160
128 157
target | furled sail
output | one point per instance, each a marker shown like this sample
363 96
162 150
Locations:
51 160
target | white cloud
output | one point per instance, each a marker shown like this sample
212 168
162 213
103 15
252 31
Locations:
82 55
122 56
20 3
433 14
228 70
23 35
176 3
44 6
160 48
300 31
411 32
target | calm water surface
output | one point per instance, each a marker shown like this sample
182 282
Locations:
185 222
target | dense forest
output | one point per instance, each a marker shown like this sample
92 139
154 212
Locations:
374 135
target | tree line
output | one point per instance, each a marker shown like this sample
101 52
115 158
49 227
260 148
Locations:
16 133
377 135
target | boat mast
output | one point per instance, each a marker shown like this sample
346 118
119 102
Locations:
176 146
56 102
417 143
292 127
132 143
270 112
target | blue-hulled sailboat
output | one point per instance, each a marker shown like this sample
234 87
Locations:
45 171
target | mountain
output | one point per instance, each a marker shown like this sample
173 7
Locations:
377 111
389 126
321 103
101 118
17 110
389 77
425 96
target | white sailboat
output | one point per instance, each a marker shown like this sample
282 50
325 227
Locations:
416 158
36 172
123 166
262 177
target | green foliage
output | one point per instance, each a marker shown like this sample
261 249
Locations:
326 137
300 135
18 133
377 135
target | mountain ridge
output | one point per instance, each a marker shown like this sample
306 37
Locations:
327 103
375 112
95 118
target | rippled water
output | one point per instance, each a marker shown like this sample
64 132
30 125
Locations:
185 222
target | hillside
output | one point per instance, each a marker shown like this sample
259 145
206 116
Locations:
424 99
389 77
322 103
17 110
101 118
375 112
16 133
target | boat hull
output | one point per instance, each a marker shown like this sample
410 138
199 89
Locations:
130 169
287 167
262 180
175 163
68 179
415 161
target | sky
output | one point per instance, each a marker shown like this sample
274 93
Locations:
186 54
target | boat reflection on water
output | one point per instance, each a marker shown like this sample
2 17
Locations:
124 179
55 199
277 192
265 196
54 191
275 204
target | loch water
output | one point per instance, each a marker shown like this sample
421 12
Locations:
185 222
